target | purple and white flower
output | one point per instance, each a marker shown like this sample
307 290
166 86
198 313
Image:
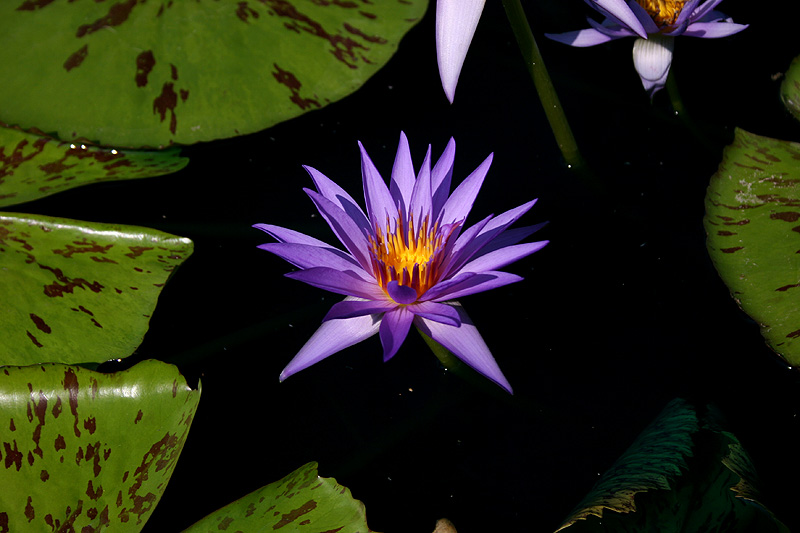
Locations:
407 259
655 24
456 21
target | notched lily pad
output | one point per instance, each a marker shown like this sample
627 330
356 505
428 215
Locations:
753 225
130 73
302 501
683 474
85 451
79 292
34 166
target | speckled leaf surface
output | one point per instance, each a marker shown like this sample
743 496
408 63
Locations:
302 502
34 166
753 226
85 451
790 88
135 73
683 474
79 292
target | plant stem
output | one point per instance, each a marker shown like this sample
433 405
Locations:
543 83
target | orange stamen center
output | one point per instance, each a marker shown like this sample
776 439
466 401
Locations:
664 12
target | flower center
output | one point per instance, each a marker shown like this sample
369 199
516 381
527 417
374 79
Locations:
409 255
664 12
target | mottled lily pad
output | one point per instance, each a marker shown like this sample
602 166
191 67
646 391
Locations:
134 73
302 501
753 226
683 474
85 451
79 292
790 88
34 166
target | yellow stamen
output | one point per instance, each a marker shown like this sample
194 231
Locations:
664 12
411 256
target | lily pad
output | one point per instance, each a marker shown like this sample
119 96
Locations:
79 292
302 501
790 88
753 226
34 166
683 474
85 451
130 73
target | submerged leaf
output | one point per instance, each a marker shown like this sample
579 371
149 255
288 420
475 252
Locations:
79 292
753 226
303 501
683 474
34 166
130 73
85 451
790 88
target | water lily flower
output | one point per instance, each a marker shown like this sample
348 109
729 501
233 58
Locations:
456 21
406 259
655 24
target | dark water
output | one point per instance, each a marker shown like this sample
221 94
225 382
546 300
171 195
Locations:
622 312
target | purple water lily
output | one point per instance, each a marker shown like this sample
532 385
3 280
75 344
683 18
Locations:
655 24
408 258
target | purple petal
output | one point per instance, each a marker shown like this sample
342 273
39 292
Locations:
352 307
652 59
346 283
401 294
456 21
620 13
502 257
580 38
509 238
441 176
394 329
438 312
380 204
344 227
305 256
461 201
687 12
340 197
460 251
402 182
465 343
330 338
480 282
290 235
714 30
610 29
648 24
704 9
420 205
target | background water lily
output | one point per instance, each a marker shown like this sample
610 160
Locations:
655 24
408 258
456 21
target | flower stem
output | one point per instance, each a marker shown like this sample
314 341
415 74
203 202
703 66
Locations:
543 83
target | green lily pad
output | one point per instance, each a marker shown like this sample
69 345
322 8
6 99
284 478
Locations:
302 501
79 292
683 474
34 166
85 451
790 88
753 225
136 74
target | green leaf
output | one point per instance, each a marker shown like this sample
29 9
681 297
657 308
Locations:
85 451
303 501
130 73
34 166
790 88
683 474
753 226
79 292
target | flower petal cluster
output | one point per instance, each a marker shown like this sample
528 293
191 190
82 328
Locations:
655 24
406 259
456 21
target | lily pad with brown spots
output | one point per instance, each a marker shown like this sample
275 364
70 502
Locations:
34 166
79 292
85 451
753 226
302 501
148 74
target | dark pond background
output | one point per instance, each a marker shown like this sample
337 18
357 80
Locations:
621 313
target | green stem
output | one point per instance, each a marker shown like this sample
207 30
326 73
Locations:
543 83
